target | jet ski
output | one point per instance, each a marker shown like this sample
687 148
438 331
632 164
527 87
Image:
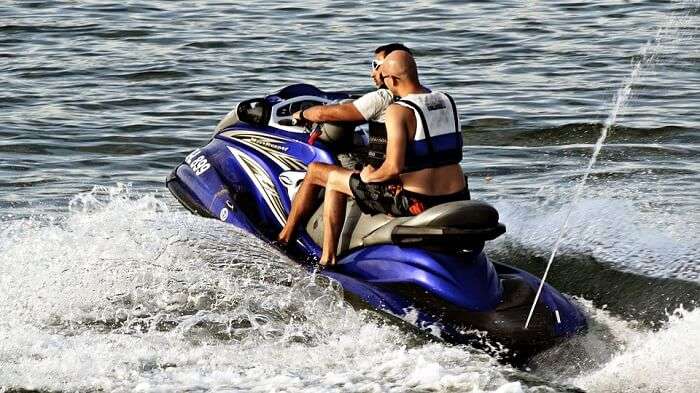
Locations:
429 270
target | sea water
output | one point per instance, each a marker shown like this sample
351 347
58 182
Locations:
107 283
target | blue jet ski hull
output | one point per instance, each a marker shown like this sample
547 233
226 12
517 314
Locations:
245 176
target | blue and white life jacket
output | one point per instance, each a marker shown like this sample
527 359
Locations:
438 138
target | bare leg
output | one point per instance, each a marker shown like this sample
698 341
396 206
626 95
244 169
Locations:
303 202
301 207
334 203
337 187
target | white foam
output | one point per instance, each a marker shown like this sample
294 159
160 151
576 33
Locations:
663 361
121 294
612 231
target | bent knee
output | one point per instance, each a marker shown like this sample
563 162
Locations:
315 167
338 181
316 172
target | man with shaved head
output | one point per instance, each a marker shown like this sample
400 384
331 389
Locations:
412 166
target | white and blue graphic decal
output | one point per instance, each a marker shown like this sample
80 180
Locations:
271 147
262 182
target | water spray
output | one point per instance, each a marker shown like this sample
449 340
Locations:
648 55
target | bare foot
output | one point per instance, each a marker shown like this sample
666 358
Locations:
284 237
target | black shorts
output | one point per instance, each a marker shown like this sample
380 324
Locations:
390 198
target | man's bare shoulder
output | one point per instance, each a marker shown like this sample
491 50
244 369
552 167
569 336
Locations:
397 110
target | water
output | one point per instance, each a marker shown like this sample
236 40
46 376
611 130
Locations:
108 284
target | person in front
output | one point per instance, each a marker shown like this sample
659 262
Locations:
370 108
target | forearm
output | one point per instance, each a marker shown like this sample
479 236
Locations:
384 173
326 113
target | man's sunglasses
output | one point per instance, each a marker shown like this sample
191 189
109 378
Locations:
376 64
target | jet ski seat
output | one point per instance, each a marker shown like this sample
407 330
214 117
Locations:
448 227
454 225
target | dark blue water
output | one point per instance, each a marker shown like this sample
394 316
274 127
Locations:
108 284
